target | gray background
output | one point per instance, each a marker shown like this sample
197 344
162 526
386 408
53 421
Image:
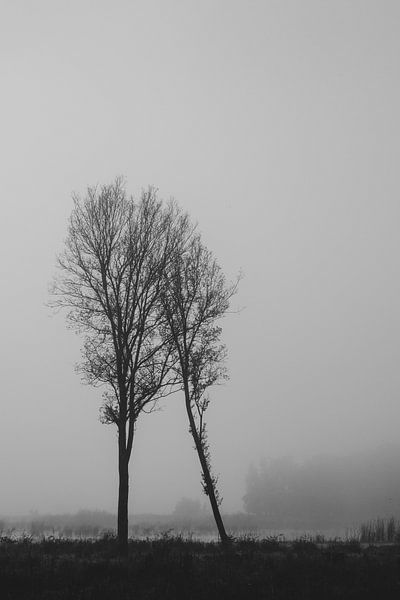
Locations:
276 125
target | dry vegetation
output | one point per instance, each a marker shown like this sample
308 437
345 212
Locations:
174 568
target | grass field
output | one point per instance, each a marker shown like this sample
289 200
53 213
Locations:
174 568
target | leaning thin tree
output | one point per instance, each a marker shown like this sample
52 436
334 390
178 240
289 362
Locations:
110 273
195 296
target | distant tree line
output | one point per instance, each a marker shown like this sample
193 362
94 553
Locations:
325 491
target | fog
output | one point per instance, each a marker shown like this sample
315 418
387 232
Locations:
276 126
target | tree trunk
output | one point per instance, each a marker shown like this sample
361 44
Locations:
123 496
207 475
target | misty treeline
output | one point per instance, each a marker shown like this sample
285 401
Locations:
325 491
188 517
141 287
84 523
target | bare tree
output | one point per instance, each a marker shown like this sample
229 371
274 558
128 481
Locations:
195 296
116 253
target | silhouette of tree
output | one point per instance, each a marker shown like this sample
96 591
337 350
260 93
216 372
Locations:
195 296
116 253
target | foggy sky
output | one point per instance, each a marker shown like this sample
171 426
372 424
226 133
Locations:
276 125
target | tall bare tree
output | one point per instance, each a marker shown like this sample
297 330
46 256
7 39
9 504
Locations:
195 296
111 270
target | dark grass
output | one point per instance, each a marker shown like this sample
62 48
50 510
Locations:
175 568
